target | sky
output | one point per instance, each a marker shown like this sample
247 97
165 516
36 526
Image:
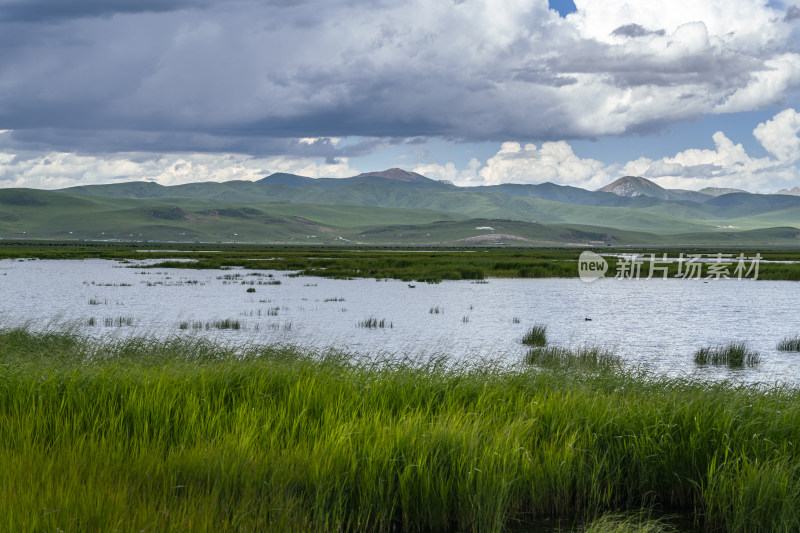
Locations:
687 93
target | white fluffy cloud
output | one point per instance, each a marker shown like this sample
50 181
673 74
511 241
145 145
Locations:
450 172
727 165
515 163
553 161
779 136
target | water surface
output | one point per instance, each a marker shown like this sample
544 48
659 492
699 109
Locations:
659 323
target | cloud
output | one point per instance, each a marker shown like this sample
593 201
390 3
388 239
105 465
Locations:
659 169
779 136
635 30
727 165
516 163
32 11
553 161
248 76
83 141
450 172
54 170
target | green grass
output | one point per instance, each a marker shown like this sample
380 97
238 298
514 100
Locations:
536 336
192 436
60 215
403 263
627 524
421 205
586 358
406 265
790 344
734 355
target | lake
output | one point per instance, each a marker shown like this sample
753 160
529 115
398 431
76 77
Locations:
658 323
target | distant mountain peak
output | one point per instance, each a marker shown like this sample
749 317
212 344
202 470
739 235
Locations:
283 178
286 174
631 186
397 174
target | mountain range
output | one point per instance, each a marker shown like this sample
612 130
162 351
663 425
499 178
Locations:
400 207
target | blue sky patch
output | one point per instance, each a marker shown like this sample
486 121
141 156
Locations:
564 7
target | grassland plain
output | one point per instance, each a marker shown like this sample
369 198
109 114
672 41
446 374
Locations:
404 263
185 435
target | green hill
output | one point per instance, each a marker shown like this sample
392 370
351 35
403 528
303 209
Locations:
396 206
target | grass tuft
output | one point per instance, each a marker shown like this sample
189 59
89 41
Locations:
224 324
536 336
118 321
733 354
614 523
790 344
556 356
373 322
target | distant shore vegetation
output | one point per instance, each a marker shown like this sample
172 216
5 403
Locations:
423 264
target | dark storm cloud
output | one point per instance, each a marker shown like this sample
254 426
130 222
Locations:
792 13
58 10
88 142
249 76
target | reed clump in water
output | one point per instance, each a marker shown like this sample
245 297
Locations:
733 354
790 344
118 321
224 324
536 336
373 322
214 324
